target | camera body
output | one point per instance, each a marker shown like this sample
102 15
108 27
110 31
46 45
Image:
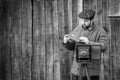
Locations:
87 53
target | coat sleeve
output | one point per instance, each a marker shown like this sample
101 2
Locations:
103 38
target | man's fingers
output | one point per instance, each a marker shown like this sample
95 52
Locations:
82 38
66 36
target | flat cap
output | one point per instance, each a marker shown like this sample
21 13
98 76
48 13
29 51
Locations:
87 14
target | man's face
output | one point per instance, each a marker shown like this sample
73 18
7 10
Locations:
85 22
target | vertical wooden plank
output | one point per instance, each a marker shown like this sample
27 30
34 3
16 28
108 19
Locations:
68 28
79 8
26 24
87 4
36 41
49 40
38 66
61 32
61 22
112 48
114 14
109 42
56 64
4 46
111 54
43 54
15 38
99 12
2 66
74 13
70 54
105 19
8 57
94 6
0 38
115 47
70 14
106 26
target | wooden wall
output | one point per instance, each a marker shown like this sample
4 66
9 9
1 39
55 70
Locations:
31 33
16 40
114 16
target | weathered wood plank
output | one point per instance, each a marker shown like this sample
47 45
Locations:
8 56
61 31
115 47
1 40
70 54
36 41
113 62
106 26
94 6
56 64
87 4
99 12
114 24
26 33
74 13
80 6
15 38
79 9
108 29
4 48
68 28
42 56
49 40
105 19
38 66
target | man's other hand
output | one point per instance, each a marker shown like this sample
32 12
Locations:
66 38
84 39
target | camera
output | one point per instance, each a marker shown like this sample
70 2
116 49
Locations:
87 53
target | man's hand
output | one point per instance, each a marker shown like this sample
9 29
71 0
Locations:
66 38
84 39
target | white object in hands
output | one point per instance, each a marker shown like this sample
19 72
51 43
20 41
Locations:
66 38
84 39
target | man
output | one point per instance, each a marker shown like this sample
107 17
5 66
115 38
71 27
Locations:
89 33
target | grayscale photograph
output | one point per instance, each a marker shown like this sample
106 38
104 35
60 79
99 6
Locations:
59 40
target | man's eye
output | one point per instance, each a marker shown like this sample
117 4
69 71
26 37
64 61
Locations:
86 20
